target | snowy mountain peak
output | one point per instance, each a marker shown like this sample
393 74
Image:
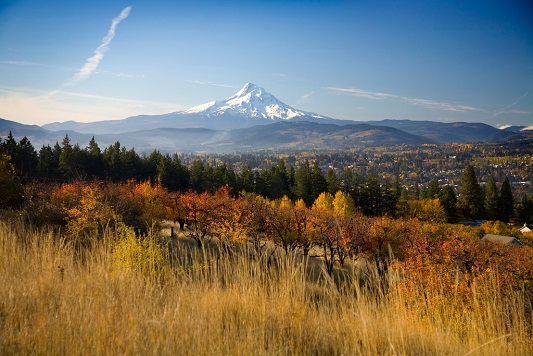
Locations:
249 88
251 102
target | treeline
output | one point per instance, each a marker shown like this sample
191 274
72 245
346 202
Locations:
67 163
372 194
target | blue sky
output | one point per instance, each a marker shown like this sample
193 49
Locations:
357 60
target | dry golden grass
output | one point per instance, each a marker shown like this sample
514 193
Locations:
53 301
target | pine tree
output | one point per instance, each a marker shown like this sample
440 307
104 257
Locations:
506 201
95 160
245 179
66 164
448 200
470 199
197 176
492 200
318 181
303 188
371 196
11 192
278 182
333 184
433 189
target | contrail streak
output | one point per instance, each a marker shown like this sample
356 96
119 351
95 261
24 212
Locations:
92 63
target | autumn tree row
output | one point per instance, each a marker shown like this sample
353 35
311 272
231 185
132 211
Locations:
373 195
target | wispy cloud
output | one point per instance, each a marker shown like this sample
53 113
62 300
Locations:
507 109
121 74
98 71
429 104
31 106
23 63
201 82
92 63
304 98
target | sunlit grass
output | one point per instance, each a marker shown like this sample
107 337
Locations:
55 301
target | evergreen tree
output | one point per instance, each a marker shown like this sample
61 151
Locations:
350 183
278 181
260 187
71 163
448 200
48 162
132 165
492 200
95 160
371 197
113 164
151 164
179 175
333 184
9 146
197 176
11 192
318 181
506 201
525 210
303 188
23 156
433 189
416 192
389 199
470 199
245 179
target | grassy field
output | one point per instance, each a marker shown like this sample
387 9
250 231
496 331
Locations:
54 300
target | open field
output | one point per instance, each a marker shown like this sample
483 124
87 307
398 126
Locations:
55 300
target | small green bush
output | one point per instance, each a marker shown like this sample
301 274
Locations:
139 254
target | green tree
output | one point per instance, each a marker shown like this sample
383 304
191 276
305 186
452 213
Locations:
113 163
22 154
492 199
371 196
48 162
448 200
246 179
318 181
303 188
11 192
71 161
433 189
95 160
350 183
506 201
470 199
277 180
333 184
197 176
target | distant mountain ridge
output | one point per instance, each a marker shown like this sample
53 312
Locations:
250 106
442 132
254 119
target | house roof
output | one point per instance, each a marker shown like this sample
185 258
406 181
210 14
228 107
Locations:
526 228
506 240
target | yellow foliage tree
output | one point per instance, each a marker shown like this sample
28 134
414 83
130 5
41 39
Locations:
324 202
430 210
91 213
343 205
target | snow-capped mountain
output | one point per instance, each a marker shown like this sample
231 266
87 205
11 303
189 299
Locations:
250 106
252 102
